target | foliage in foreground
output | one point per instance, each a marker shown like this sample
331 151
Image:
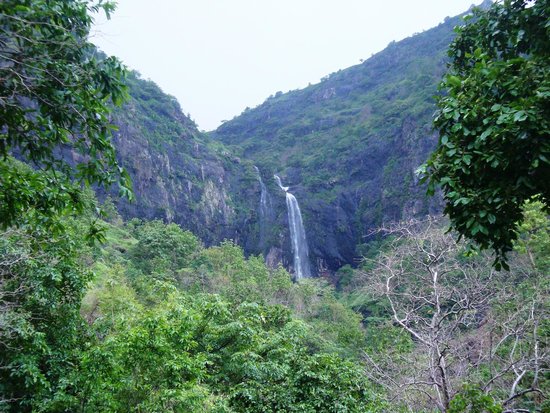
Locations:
196 330
202 353
54 93
42 281
206 329
494 123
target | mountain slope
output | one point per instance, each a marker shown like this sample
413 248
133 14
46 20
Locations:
349 145
180 175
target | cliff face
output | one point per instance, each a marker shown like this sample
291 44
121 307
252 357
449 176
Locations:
179 175
349 145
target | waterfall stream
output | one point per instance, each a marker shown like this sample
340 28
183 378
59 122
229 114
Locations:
297 234
265 210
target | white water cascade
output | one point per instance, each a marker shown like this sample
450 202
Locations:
297 234
265 209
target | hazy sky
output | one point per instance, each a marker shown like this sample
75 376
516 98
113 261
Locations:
219 56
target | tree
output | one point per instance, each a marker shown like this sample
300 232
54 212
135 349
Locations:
494 123
55 90
201 353
42 280
163 247
466 322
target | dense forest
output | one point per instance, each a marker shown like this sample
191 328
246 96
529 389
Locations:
147 267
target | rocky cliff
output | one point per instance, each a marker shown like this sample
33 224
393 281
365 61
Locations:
349 145
180 175
348 148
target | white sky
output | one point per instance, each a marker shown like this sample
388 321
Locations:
219 56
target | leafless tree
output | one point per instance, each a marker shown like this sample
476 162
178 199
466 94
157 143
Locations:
467 322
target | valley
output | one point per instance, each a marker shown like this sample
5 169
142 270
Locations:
376 242
349 147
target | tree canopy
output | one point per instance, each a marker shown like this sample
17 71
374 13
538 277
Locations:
494 122
55 94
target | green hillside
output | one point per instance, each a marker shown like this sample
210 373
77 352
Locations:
179 174
186 299
350 144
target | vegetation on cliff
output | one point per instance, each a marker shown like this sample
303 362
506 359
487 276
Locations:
179 174
350 144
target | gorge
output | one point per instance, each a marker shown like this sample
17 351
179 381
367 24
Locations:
209 288
349 146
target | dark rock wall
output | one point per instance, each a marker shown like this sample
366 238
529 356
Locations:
178 174
349 145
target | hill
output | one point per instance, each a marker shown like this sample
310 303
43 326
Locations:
179 174
349 145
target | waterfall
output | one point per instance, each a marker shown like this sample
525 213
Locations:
297 234
265 209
